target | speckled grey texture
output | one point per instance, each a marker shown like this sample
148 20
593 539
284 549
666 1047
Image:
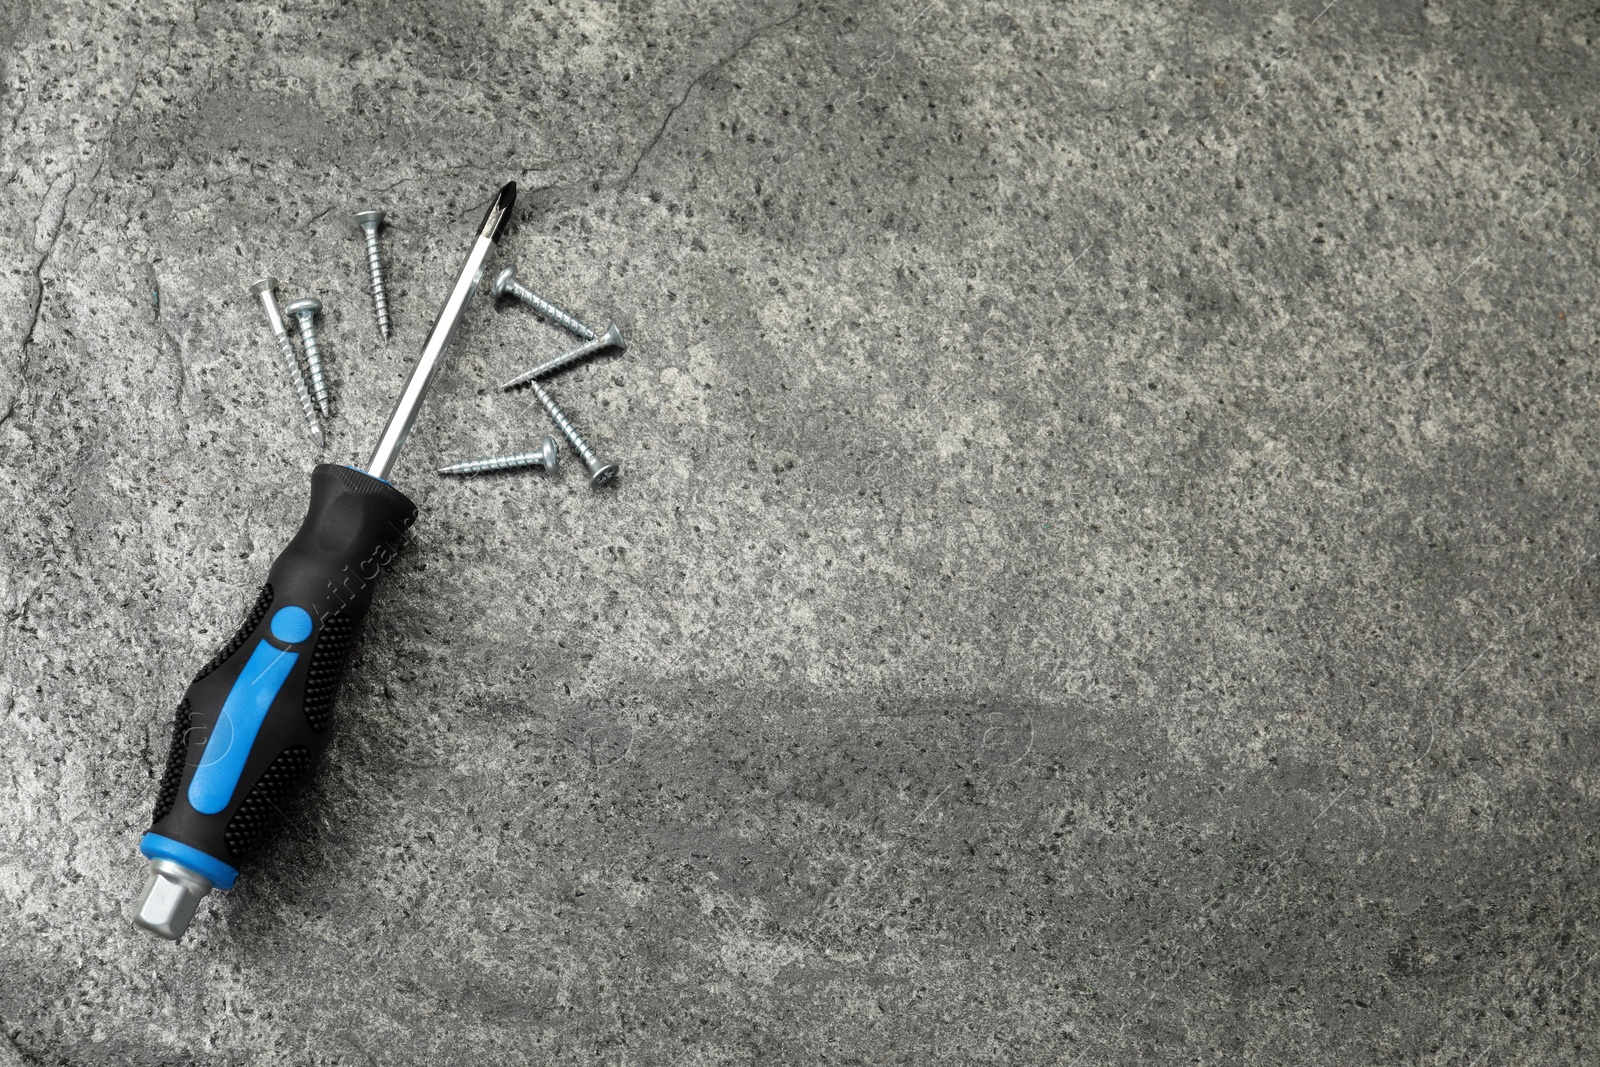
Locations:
1104 570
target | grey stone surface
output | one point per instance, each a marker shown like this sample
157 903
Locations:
1104 570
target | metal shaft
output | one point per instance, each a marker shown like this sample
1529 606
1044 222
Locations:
428 364
549 310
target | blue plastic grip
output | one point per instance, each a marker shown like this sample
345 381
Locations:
242 715
291 625
157 847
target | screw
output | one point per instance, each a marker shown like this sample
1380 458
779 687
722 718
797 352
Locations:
546 457
612 338
600 472
506 284
303 312
264 289
369 222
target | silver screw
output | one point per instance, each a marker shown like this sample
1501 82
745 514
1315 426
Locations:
369 222
600 472
506 284
546 457
264 289
612 338
304 312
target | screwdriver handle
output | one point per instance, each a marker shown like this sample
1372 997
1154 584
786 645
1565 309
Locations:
256 718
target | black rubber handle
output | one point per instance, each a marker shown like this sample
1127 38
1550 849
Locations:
255 719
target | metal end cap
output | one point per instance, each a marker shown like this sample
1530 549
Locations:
602 477
613 337
309 305
369 218
552 455
265 285
502 281
170 897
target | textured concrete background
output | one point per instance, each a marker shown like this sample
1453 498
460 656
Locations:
1104 571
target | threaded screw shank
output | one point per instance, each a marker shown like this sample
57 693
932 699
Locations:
369 222
380 294
319 382
612 338
546 456
264 290
495 463
304 313
600 472
549 310
292 365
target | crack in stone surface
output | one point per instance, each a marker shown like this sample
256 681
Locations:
666 119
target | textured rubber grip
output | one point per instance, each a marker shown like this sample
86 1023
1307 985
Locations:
254 721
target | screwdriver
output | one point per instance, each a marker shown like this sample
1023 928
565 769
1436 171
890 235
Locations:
255 719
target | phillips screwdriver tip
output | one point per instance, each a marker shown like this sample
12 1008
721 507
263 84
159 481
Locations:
498 217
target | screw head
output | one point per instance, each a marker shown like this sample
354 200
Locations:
503 280
366 219
552 458
603 476
308 306
265 285
612 338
